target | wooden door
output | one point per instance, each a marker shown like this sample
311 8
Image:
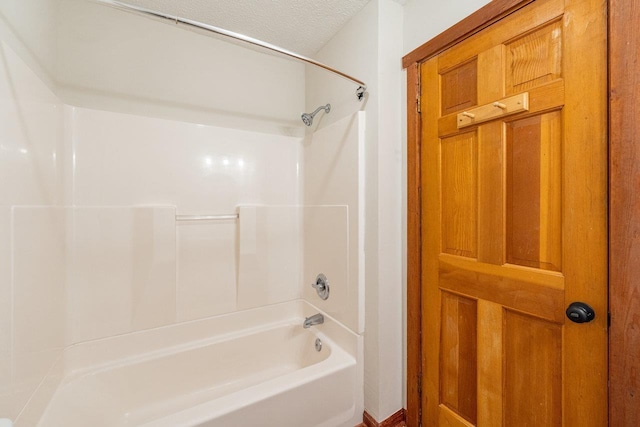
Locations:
514 179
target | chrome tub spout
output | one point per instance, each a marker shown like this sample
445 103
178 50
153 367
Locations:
316 319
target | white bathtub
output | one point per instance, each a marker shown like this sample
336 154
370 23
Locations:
253 368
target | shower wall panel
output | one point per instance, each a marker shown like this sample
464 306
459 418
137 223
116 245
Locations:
326 250
31 246
121 274
38 270
124 161
334 176
269 255
206 268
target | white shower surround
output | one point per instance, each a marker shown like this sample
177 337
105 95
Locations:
121 261
89 178
129 269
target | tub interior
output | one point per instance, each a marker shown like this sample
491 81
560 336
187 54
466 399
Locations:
139 390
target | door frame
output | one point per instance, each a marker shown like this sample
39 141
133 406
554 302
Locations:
624 200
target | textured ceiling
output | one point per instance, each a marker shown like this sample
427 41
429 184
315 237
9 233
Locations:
303 26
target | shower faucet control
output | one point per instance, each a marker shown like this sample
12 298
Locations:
321 286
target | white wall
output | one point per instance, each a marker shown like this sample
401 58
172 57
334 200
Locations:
390 281
369 47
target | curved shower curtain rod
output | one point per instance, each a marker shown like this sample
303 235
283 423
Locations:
362 88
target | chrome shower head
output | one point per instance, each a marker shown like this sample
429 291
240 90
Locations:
307 118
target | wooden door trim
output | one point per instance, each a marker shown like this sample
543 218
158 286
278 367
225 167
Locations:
477 21
414 250
624 212
624 207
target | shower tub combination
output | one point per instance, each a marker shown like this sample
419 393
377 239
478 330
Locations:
258 367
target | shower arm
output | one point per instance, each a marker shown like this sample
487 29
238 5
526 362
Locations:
326 108
362 87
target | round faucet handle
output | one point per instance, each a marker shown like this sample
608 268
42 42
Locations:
321 286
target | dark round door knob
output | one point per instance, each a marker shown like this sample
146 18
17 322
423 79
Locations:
580 312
